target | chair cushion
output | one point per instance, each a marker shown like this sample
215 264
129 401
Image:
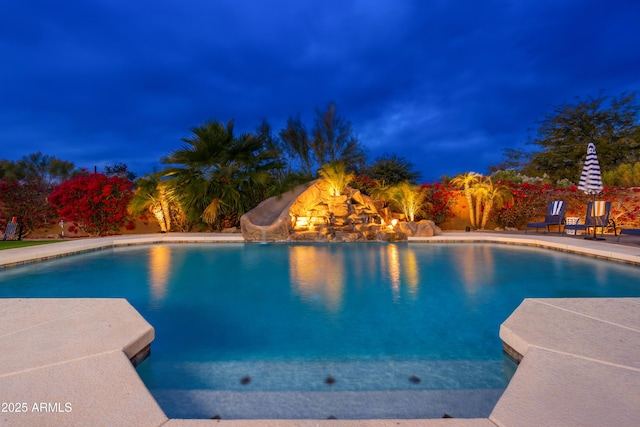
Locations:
556 207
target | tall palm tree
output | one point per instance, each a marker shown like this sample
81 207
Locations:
479 192
465 181
217 175
490 195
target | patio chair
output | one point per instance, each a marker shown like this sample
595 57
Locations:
597 216
10 229
554 217
629 232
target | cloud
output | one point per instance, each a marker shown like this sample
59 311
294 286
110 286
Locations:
449 84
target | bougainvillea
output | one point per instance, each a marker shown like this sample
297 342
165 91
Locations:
363 183
440 200
94 203
625 205
530 200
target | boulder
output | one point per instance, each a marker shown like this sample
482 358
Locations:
427 228
391 236
341 236
340 209
357 198
321 209
408 228
307 236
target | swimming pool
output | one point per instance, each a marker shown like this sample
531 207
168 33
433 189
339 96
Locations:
248 322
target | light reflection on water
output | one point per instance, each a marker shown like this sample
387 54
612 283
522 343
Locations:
317 275
159 268
476 266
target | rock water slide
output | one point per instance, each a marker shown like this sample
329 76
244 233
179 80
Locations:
270 220
322 215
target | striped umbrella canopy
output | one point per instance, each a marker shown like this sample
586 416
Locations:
591 180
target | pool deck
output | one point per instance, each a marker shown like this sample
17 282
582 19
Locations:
68 362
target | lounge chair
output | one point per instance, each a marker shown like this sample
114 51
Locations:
554 217
597 216
10 229
629 232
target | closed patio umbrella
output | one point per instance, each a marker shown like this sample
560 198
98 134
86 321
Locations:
591 179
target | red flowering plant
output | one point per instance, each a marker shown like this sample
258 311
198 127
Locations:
94 203
529 201
529 204
625 205
440 199
576 200
364 184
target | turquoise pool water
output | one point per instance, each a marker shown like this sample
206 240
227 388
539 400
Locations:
245 329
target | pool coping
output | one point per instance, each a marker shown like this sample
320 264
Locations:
577 354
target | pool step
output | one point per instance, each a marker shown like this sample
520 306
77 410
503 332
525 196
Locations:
327 375
327 404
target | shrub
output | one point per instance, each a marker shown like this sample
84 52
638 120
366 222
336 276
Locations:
440 199
364 184
625 205
625 175
94 203
26 200
529 200
408 198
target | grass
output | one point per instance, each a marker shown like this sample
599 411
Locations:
12 244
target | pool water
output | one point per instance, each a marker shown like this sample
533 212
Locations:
237 323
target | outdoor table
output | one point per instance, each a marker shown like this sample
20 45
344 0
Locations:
571 220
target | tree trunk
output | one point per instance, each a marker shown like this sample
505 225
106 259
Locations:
472 215
166 214
157 211
485 214
478 210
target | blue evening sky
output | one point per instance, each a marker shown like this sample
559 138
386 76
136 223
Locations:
445 84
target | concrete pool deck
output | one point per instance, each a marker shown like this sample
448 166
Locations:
68 361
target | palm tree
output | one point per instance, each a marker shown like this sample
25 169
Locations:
219 176
465 181
151 196
155 196
479 192
493 195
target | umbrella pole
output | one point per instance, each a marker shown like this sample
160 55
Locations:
593 212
